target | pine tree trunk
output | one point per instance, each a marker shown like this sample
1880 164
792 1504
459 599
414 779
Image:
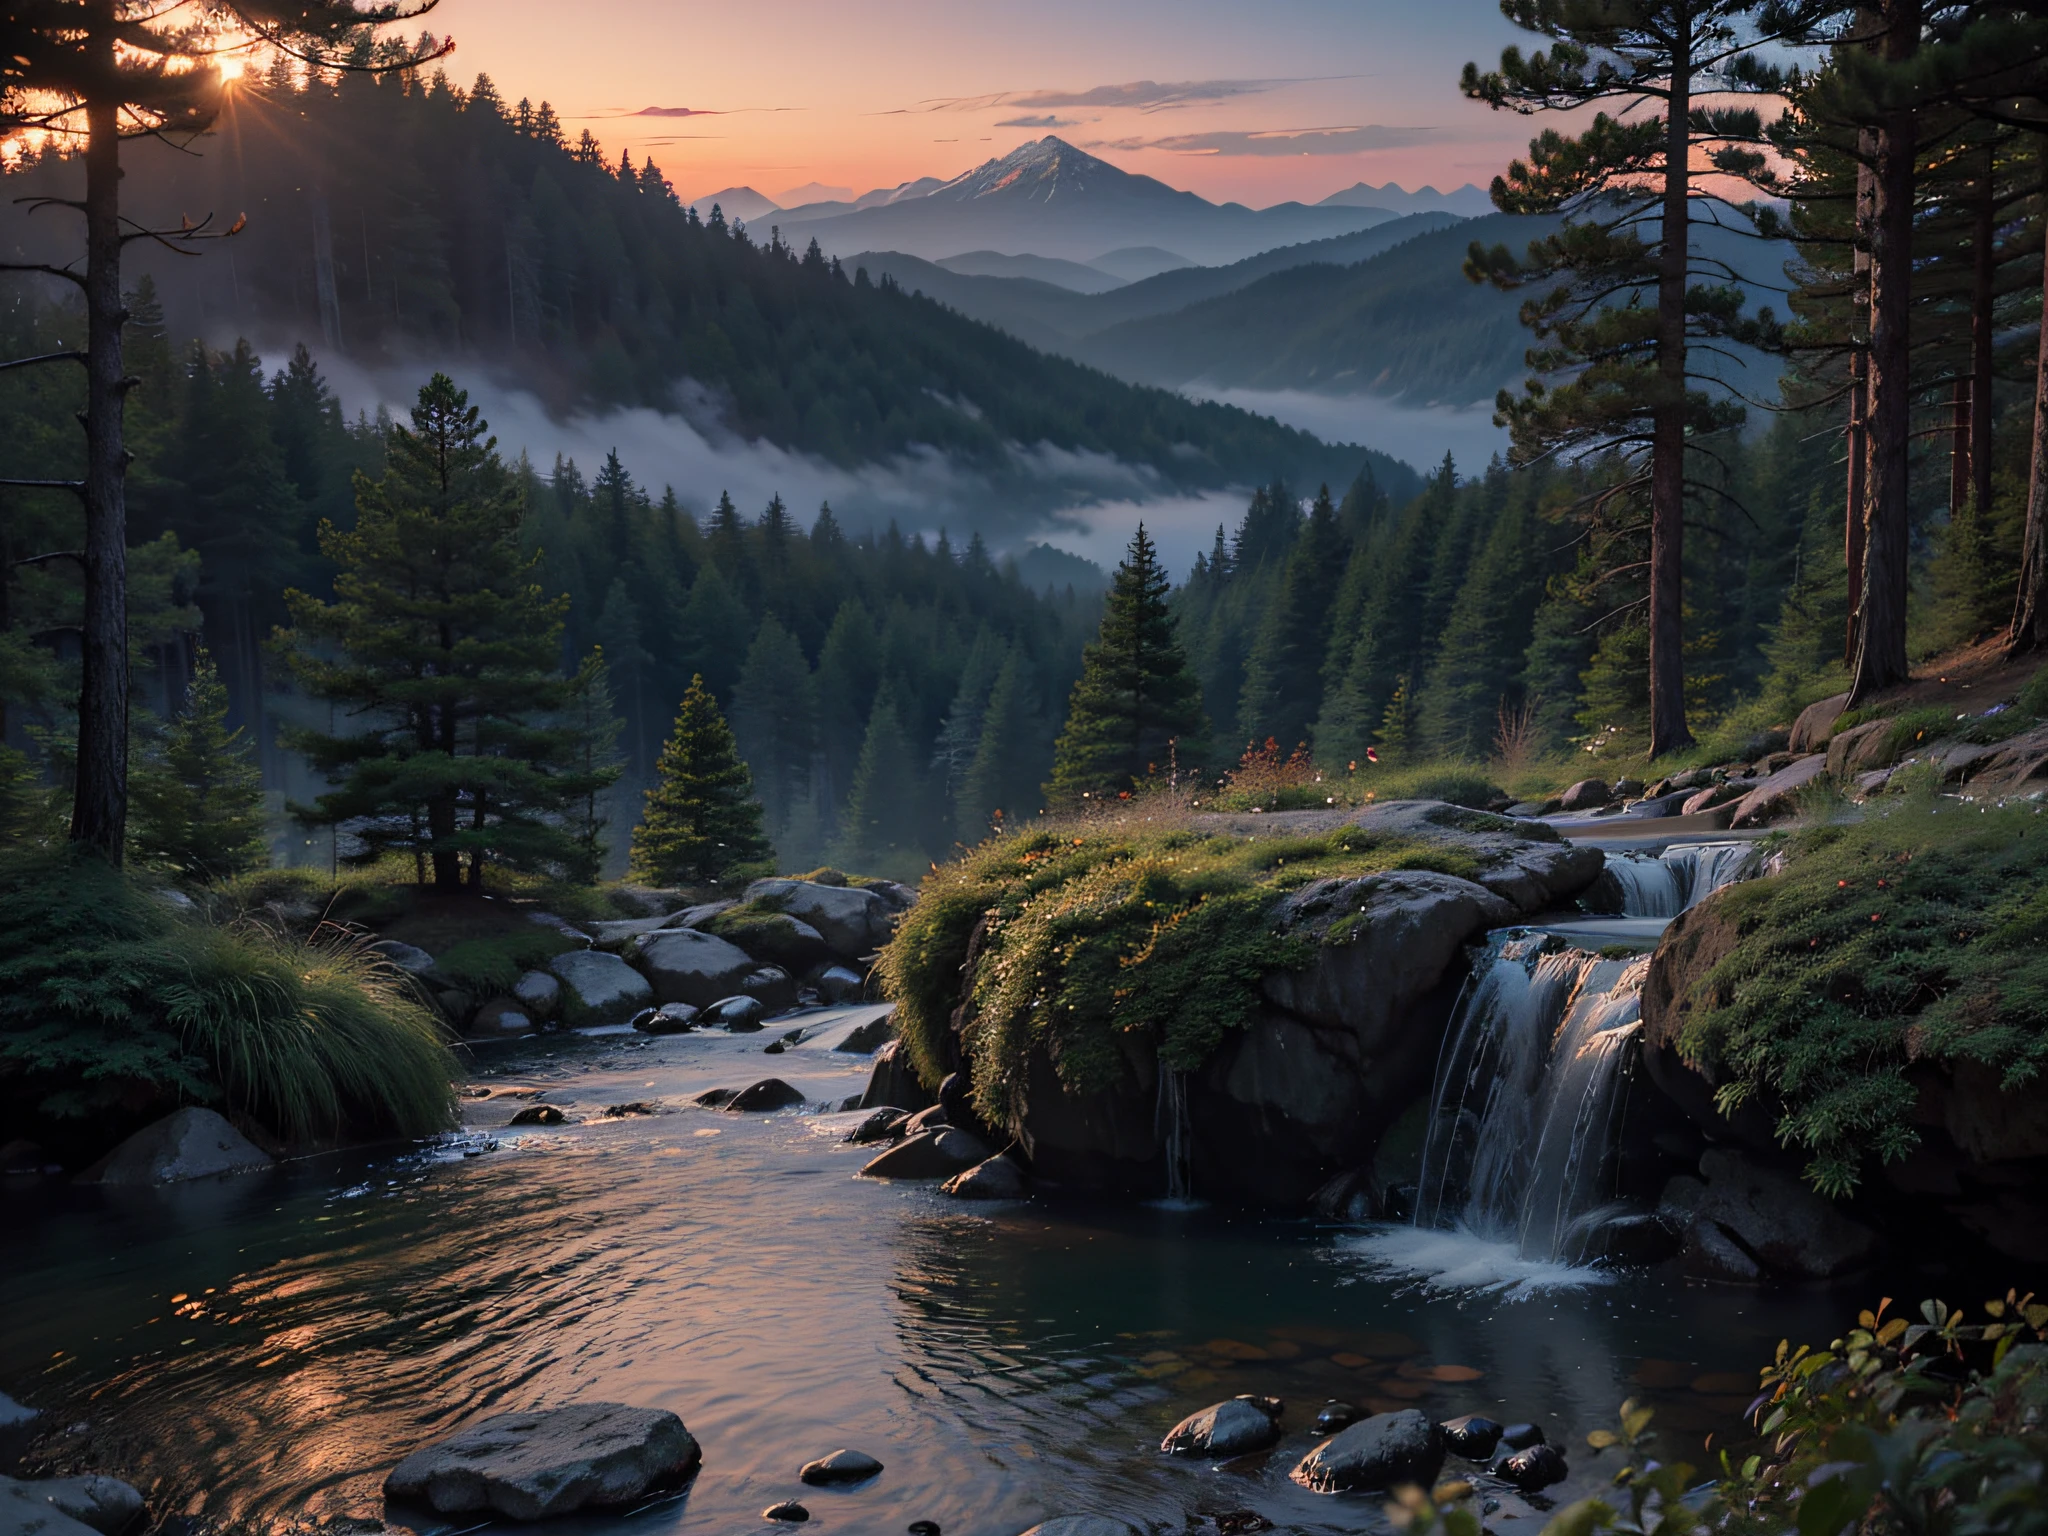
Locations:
1667 429
1856 504
1959 478
99 814
1881 619
2030 613
1983 337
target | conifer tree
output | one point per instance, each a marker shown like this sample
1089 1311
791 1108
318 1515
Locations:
1283 686
441 643
879 832
593 723
198 796
1619 303
701 820
1136 703
1008 760
774 713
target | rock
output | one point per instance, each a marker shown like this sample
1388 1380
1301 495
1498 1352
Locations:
1783 1228
771 986
838 984
1352 1195
788 1511
1859 749
996 1179
893 1081
897 897
931 1118
923 1528
561 925
499 1019
1630 1240
628 1109
1774 796
699 915
539 1114
1816 723
1624 789
1229 1428
1336 1415
103 1504
17 1428
776 938
1586 795
668 1019
711 1098
1082 1525
1519 1437
885 1124
1473 1437
854 922
407 957
737 1015
2014 766
1532 1469
1376 1454
189 1143
865 1039
687 966
546 1462
840 1467
928 1155
598 988
1652 807
1770 762
770 1093
539 994
615 936
1712 796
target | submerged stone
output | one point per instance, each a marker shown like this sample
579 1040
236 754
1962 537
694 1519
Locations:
1229 1428
190 1143
547 1462
842 1466
1376 1454
1473 1437
1336 1416
768 1094
1533 1468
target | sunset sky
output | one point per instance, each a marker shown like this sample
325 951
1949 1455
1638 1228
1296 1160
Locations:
1258 104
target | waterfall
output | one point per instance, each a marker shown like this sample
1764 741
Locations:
1528 1094
1170 1123
1643 885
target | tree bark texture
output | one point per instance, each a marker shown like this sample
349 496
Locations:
1668 731
2030 612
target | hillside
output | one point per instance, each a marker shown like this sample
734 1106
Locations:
1051 199
1051 317
425 227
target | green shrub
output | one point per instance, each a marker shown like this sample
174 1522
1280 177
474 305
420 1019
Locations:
1088 931
1919 935
115 1006
490 964
2033 700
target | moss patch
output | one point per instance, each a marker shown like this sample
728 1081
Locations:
1920 935
1085 934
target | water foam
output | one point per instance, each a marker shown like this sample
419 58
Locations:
1458 1261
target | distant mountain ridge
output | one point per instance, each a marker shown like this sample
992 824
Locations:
1468 201
1048 198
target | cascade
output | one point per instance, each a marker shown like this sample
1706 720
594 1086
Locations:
1682 877
1170 1123
1528 1094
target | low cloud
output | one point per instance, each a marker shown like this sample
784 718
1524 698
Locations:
1275 142
1049 120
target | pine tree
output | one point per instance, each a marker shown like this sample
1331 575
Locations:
440 641
593 722
774 715
701 821
1136 703
880 830
198 797
1283 686
1009 759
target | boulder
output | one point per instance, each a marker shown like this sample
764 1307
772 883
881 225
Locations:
1378 1453
1627 1240
1519 1437
499 1019
699 915
189 1143
853 921
598 988
1229 1428
788 1511
1782 1229
735 1015
840 1467
1473 1437
996 1179
931 1118
772 986
771 1093
1816 723
409 958
776 938
539 1114
1336 1415
892 1080
885 1124
928 1155
547 1462
1775 795
1083 1525
837 984
1712 796
668 1019
539 994
1859 749
51 1506
684 965
615 936
2015 766
865 1039
1532 1469
1586 795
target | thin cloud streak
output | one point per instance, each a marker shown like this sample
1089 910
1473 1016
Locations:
1131 95
1280 141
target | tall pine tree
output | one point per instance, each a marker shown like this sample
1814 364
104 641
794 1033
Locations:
1137 703
197 798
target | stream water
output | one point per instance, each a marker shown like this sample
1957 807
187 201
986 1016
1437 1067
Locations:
260 1350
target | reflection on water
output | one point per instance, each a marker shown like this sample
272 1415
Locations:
263 1349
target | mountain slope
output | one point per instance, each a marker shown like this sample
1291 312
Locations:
1052 318
1051 199
422 228
1468 201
